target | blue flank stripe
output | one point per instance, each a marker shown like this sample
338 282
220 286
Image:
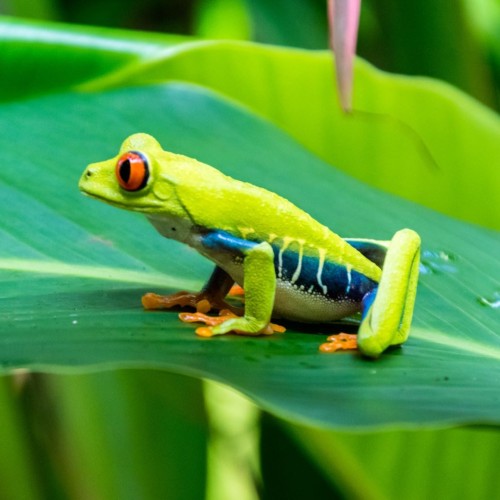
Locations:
333 276
368 300
223 241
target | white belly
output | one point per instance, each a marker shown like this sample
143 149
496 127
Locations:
298 305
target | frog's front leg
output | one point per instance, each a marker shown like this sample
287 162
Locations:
259 281
211 296
388 308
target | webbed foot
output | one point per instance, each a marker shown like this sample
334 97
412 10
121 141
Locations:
227 322
340 342
201 302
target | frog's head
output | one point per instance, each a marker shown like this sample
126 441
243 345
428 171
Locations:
133 179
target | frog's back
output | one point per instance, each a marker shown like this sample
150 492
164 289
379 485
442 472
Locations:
256 214
299 241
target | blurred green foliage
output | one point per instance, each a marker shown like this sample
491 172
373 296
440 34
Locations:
457 42
88 436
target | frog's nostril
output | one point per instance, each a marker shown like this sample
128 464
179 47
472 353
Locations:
88 173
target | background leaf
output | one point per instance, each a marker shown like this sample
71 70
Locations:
450 462
293 23
154 435
421 39
17 467
62 55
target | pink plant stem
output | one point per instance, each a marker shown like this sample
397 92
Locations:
343 17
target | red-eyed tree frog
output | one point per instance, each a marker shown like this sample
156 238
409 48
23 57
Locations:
290 266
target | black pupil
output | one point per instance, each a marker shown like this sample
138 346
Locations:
125 171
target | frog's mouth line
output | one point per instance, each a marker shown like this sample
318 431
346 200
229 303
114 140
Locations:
144 208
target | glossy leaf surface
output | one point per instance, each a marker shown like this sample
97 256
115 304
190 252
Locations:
73 269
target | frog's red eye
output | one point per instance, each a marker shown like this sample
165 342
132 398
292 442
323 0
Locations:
132 171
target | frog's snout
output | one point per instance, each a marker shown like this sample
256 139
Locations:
86 179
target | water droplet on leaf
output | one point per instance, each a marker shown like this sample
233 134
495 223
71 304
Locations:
493 302
437 262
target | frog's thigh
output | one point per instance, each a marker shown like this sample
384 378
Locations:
259 280
218 285
388 310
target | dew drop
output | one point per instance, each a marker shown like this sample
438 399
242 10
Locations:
493 302
437 262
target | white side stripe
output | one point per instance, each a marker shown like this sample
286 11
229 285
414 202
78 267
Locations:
322 255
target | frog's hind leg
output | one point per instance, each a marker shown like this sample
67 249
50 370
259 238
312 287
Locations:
388 309
374 250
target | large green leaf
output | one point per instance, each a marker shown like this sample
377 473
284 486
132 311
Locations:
74 269
41 57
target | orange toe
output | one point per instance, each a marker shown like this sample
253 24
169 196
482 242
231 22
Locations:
340 342
236 290
203 306
152 301
199 317
195 317
277 328
204 331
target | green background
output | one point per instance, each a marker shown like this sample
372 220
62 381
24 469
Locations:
73 270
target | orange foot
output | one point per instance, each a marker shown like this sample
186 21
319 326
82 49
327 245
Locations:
340 342
224 315
153 301
236 291
199 301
